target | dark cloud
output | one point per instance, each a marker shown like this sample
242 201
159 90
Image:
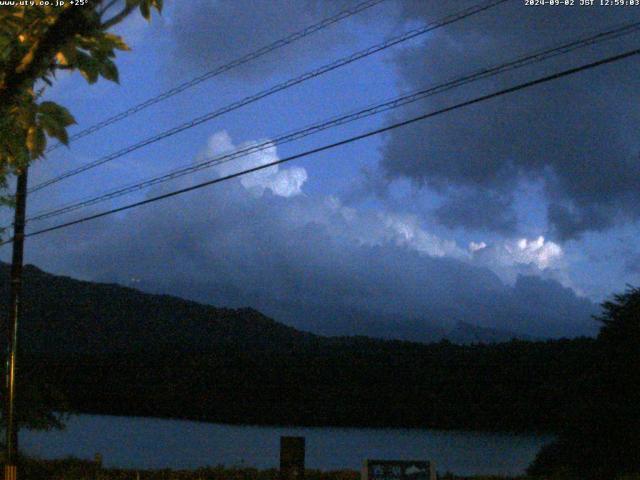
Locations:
308 261
577 135
209 33
533 299
570 220
479 210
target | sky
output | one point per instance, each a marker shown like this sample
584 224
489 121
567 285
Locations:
518 213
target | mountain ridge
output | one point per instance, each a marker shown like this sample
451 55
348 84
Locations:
240 366
63 314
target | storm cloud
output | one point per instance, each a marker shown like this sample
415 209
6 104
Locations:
313 262
577 136
210 33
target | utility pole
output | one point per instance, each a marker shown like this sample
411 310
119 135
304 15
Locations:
11 460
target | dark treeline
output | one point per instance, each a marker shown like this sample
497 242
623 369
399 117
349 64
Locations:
601 438
98 348
515 386
112 349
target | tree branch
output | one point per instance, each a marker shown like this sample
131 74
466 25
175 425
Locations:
26 70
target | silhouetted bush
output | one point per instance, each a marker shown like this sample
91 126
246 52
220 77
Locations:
602 437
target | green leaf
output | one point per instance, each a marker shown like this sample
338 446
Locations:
109 71
26 114
116 42
54 129
88 66
62 136
54 119
67 56
145 10
90 74
56 112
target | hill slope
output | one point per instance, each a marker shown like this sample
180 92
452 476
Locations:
64 315
115 350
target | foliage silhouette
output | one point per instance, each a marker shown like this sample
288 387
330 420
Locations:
602 436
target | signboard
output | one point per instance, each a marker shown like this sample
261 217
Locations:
398 470
291 458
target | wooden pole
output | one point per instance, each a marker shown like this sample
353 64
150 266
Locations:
11 460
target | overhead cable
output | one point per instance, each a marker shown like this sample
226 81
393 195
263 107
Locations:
331 146
520 62
483 6
294 37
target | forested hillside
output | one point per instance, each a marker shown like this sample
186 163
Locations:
111 349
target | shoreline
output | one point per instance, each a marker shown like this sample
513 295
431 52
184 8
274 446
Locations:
74 468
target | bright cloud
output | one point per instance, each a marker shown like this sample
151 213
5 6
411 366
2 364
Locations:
406 230
474 247
284 183
538 252
508 257
317 264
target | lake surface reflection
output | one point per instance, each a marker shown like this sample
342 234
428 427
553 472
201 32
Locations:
134 442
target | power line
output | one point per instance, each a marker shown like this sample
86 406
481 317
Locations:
294 37
349 140
375 109
483 6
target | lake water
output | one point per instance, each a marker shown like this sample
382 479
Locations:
133 442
